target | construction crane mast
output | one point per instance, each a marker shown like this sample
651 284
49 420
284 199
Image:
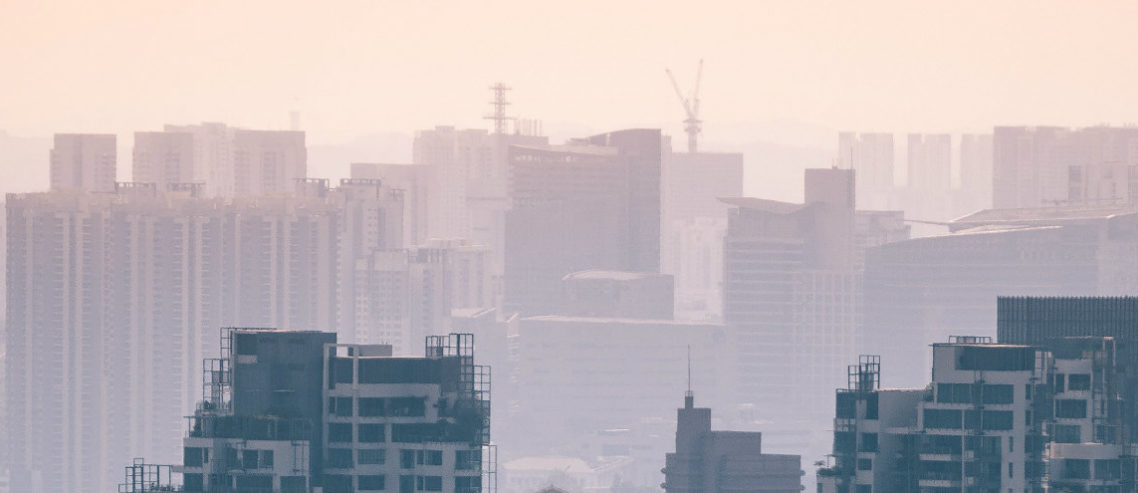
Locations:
692 125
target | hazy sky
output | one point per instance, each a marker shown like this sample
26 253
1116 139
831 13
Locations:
358 67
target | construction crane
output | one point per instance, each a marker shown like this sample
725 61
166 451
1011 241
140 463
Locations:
692 125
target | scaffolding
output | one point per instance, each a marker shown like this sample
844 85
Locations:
140 477
217 378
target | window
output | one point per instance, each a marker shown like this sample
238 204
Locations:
414 432
406 484
1078 381
865 464
407 459
340 406
337 483
294 484
432 483
254 482
340 458
249 459
192 457
845 405
467 483
1060 383
1070 408
339 433
467 460
371 406
1027 391
954 393
942 419
868 442
998 394
373 482
1011 444
871 407
1066 433
372 433
370 456
267 459
864 488
408 406
1107 469
998 420
1011 469
434 457
192 482
1076 469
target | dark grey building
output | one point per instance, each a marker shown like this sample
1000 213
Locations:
709 461
294 412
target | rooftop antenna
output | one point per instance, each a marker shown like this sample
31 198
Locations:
499 104
689 397
692 124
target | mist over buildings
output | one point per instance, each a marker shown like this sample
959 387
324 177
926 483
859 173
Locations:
586 247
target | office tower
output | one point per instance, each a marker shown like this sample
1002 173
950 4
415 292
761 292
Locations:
693 224
874 448
83 162
415 182
165 158
579 378
923 290
871 156
707 461
791 294
975 172
342 417
121 293
591 204
1043 166
595 293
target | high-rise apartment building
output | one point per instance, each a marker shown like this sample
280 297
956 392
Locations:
415 181
121 293
291 411
229 161
871 156
165 158
83 162
591 204
595 293
1047 166
975 172
930 162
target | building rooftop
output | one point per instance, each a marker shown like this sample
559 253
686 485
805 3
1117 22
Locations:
763 204
610 275
1043 214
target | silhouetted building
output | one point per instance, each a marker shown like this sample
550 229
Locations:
591 204
415 182
230 161
597 293
975 192
83 162
707 461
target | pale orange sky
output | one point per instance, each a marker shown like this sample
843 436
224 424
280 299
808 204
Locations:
370 66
